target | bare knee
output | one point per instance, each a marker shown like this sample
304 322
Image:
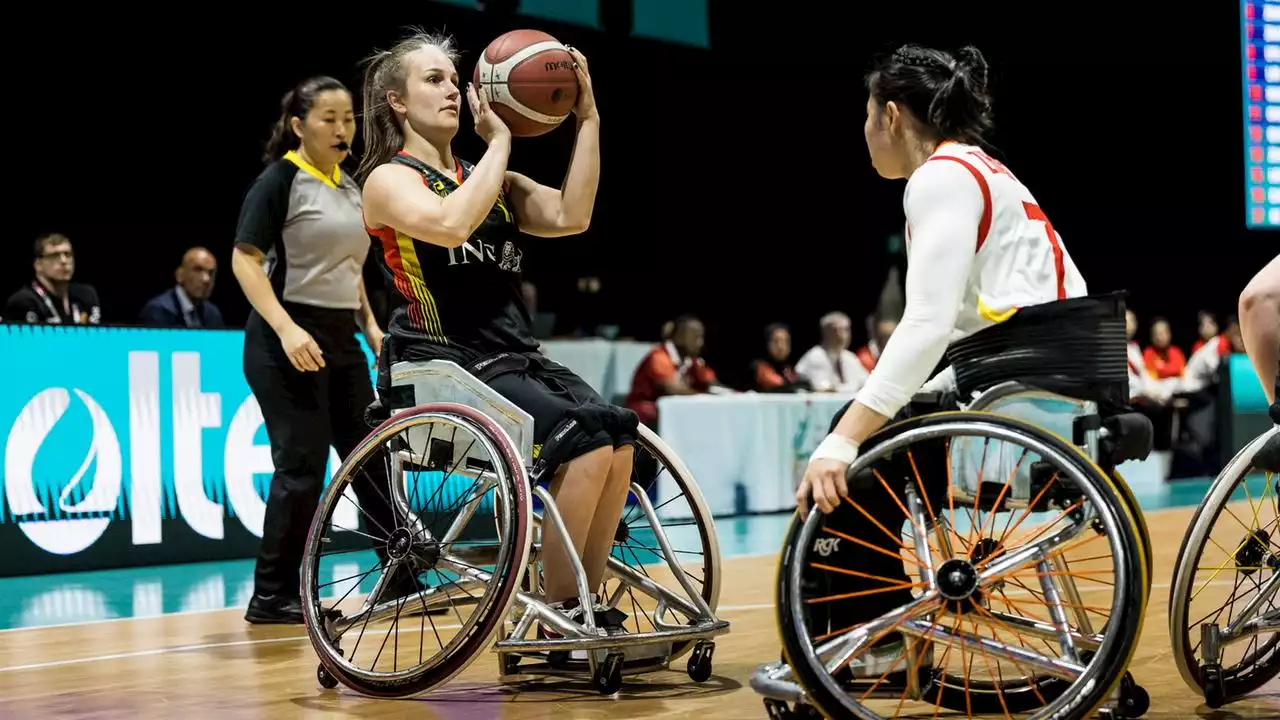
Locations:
595 462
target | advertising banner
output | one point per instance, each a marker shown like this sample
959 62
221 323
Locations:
129 446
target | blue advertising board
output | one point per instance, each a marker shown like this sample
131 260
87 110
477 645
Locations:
127 446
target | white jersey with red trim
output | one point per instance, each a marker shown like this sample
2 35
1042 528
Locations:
978 248
1020 258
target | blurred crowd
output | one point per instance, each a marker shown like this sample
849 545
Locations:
1170 380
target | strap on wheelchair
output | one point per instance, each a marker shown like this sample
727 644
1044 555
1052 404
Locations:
1074 347
488 367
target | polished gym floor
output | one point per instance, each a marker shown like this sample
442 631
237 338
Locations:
170 642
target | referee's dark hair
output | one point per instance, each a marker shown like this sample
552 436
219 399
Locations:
296 103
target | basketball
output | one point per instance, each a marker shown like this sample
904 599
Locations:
529 79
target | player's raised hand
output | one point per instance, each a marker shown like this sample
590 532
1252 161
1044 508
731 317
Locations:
586 107
488 125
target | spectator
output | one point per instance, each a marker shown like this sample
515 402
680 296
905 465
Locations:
830 366
1206 328
1163 358
52 299
673 367
1202 369
186 304
879 330
774 373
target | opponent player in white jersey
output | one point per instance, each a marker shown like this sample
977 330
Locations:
979 247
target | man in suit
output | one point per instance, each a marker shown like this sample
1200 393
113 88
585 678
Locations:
186 304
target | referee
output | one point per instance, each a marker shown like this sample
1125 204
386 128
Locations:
300 249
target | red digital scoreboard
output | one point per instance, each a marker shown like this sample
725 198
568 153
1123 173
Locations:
1260 38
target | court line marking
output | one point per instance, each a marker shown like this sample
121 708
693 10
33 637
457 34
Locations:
240 643
206 611
297 638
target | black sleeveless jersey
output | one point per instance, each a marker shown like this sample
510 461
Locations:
464 301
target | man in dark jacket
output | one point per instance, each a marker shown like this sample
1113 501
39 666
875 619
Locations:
186 304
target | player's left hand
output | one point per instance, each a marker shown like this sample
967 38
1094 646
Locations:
824 481
586 107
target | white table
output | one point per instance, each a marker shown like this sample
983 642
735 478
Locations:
606 365
746 452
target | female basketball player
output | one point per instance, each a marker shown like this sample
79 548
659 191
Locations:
1260 325
979 248
978 245
451 238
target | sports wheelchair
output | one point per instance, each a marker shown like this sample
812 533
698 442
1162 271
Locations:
1009 500
1227 644
459 558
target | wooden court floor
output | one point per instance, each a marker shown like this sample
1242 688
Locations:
214 665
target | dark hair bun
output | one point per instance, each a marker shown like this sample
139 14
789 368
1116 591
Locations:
969 61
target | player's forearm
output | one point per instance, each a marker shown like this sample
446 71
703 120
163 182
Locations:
466 208
860 422
578 195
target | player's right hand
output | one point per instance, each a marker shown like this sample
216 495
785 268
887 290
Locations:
488 125
301 349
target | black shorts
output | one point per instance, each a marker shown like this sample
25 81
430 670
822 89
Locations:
550 392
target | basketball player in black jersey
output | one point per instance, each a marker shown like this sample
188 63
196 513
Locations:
453 237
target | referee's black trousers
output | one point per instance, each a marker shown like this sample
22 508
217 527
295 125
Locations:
305 413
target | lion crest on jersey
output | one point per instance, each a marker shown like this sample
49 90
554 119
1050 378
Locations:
511 257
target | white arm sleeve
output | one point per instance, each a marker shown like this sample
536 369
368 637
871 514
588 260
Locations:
944 207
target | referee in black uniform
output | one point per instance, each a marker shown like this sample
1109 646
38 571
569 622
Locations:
300 249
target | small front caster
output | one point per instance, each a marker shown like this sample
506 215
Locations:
327 681
608 679
1134 700
700 661
1215 688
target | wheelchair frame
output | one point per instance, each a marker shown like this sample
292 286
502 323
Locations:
778 682
1207 678
452 392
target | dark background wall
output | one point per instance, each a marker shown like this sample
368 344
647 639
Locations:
736 183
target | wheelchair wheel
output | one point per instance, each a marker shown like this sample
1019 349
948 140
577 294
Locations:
416 551
639 581
1226 588
683 517
972 510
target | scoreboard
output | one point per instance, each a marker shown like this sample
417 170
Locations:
1260 34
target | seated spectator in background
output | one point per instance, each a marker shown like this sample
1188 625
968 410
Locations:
1163 358
186 304
1142 387
829 366
1202 368
1206 328
52 299
878 330
673 367
774 373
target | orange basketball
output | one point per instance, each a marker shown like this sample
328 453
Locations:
529 79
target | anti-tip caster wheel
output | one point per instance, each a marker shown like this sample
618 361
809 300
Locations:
327 681
608 679
1215 688
1134 699
700 661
